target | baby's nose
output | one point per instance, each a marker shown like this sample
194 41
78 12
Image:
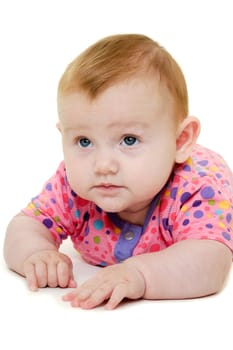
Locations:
106 163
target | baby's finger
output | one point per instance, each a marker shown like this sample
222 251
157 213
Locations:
41 274
72 283
52 276
29 271
69 296
118 294
97 297
63 274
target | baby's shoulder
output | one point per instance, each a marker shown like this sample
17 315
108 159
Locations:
203 165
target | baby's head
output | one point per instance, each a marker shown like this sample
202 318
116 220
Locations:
118 58
123 109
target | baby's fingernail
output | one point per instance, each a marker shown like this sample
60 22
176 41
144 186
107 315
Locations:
72 284
33 288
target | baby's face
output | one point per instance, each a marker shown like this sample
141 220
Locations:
120 148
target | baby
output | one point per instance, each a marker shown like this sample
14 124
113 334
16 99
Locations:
135 193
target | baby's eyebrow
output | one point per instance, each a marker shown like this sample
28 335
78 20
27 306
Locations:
122 124
113 125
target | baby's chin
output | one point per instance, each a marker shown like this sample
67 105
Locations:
110 206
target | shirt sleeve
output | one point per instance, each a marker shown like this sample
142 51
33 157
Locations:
53 206
204 213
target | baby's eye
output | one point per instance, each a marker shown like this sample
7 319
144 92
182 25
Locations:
84 142
129 140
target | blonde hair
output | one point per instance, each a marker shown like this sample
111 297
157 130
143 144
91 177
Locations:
118 57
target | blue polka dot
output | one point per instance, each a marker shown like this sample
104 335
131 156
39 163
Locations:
98 224
48 223
77 213
218 211
103 264
198 214
207 192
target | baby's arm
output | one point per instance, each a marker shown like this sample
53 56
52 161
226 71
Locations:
29 249
188 269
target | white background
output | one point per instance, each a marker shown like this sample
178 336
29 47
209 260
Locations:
37 41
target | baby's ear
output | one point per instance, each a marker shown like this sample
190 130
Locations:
187 135
58 126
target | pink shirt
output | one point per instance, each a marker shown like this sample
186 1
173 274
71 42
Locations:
196 203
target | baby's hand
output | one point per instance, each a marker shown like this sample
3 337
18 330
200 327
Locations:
114 283
49 268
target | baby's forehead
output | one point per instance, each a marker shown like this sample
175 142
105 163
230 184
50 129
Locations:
137 85
136 103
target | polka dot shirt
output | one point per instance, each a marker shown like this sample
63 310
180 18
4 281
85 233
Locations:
195 203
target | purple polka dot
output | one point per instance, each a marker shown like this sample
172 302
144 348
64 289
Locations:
165 223
87 230
197 203
207 192
185 196
198 214
226 235
186 222
228 217
186 167
98 209
203 162
209 225
202 173
73 193
48 223
86 216
49 187
174 192
219 176
70 203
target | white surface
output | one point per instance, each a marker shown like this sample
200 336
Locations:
38 39
41 320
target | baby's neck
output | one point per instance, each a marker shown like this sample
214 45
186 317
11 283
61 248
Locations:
136 217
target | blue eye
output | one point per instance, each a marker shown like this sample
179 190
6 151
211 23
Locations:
84 142
129 140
